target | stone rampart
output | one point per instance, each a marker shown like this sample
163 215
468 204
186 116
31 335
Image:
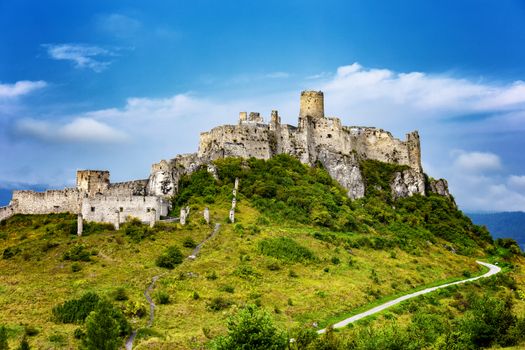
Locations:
51 201
113 209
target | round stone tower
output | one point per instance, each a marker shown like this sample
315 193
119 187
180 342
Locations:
312 104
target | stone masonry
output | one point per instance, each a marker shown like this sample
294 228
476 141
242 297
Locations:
316 138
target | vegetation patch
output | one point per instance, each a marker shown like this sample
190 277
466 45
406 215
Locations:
285 248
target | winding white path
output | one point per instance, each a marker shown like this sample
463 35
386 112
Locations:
493 269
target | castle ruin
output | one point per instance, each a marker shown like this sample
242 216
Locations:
316 138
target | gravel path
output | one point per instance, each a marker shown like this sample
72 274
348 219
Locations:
199 246
493 269
129 341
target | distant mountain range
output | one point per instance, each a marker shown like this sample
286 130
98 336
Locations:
504 224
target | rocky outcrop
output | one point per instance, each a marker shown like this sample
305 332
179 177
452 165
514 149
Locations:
406 183
439 186
345 170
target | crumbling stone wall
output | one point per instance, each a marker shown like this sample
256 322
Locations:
93 181
113 209
316 138
51 201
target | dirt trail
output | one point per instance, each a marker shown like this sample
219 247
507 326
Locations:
129 341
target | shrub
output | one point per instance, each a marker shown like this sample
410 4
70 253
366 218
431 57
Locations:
162 297
170 258
227 288
335 260
77 253
189 243
10 252
76 310
252 328
285 248
211 276
120 294
218 303
31 331
134 309
246 272
136 230
76 267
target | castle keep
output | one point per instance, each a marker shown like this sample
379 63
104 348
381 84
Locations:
316 138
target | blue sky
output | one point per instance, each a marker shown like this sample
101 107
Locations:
119 85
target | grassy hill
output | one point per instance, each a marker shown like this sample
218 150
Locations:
299 249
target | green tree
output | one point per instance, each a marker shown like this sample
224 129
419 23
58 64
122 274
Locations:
3 338
252 328
104 327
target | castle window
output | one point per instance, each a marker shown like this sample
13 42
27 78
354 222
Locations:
329 136
92 209
121 209
148 210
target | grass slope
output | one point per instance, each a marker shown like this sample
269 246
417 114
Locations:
299 248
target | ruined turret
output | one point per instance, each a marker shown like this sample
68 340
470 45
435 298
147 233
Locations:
312 104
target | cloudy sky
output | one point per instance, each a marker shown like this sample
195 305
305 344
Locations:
119 85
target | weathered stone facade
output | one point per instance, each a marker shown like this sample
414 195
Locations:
95 198
316 138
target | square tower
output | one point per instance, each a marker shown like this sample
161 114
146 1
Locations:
93 181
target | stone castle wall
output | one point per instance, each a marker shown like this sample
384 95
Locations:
116 209
51 201
315 138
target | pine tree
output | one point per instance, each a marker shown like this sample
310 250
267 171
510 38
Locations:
102 329
3 338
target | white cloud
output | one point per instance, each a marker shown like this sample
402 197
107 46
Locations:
476 162
83 56
79 130
382 95
156 128
517 182
20 88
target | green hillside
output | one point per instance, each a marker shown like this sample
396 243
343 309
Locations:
299 250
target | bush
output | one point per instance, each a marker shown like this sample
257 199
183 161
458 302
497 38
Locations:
75 267
189 243
76 310
170 258
120 294
136 230
162 297
247 272
285 248
218 303
31 331
77 253
10 252
227 288
252 328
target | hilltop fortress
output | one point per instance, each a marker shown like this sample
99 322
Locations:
316 138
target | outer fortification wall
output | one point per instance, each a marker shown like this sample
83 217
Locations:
51 201
116 210
6 212
128 188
